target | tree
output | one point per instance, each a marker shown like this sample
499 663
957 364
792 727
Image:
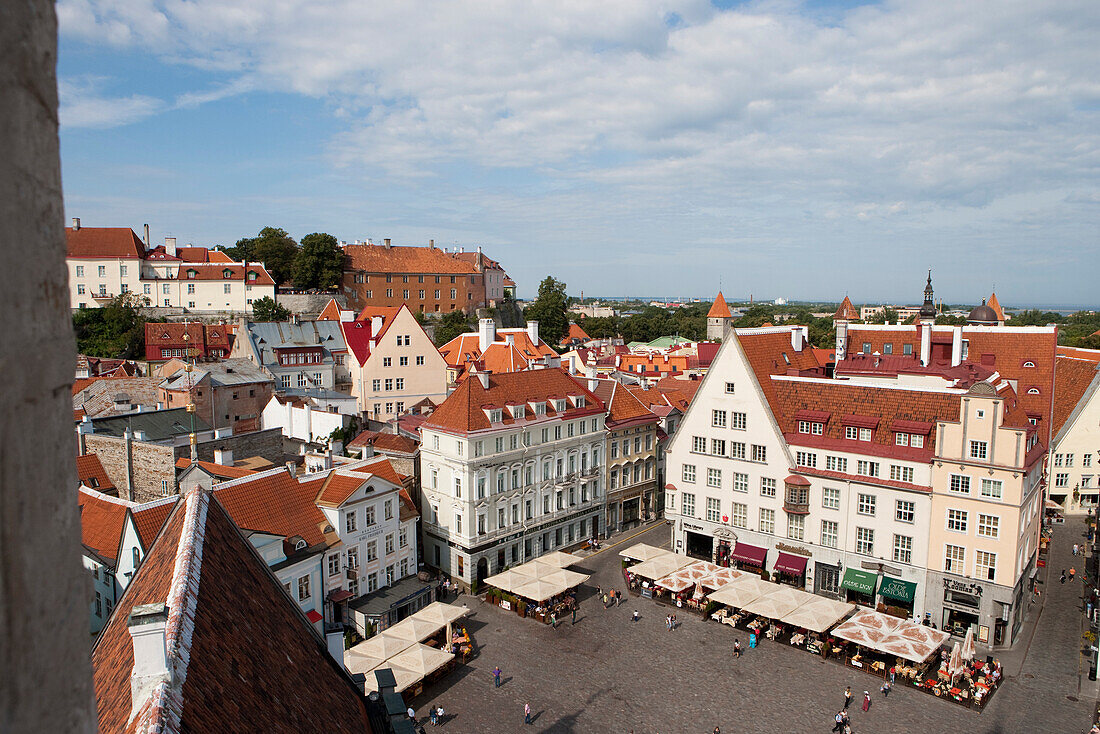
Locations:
549 310
114 331
266 309
320 262
274 247
451 325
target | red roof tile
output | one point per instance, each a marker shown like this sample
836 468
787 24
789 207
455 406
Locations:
623 406
422 260
387 442
149 518
719 309
276 503
91 474
1073 378
101 521
846 311
217 470
217 271
994 304
575 332
109 242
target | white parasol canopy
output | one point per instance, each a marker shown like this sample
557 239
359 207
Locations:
891 635
413 629
968 650
955 663
550 585
740 592
777 602
357 662
441 614
644 552
510 579
818 614
661 566
421 659
561 559
403 676
383 646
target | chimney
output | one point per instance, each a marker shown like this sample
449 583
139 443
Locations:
335 643
797 338
147 624
593 383
223 457
479 249
170 246
76 223
486 333
128 442
925 343
431 244
387 241
375 325
292 469
146 235
841 344
956 345
533 331
510 339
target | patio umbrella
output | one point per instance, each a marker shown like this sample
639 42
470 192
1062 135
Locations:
742 591
421 659
955 663
968 651
560 559
414 629
383 646
643 552
439 613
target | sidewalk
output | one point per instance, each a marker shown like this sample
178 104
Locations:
623 537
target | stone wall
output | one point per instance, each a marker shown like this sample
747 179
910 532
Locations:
268 444
308 305
141 477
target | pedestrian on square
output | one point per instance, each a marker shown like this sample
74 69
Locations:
673 621
553 620
847 697
635 616
412 713
886 689
839 719
717 730
605 601
496 677
599 590
1075 549
893 672
1072 572
866 700
433 716
737 648
573 611
526 713
1062 578
440 714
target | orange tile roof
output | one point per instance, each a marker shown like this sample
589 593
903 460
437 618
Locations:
462 411
1011 350
460 350
341 483
719 309
218 256
1089 355
623 406
422 260
217 470
276 503
994 304
110 242
245 656
91 474
846 311
574 332
101 521
331 311
771 353
390 442
149 519
216 271
1072 378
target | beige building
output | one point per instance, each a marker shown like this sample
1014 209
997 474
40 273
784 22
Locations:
986 514
632 491
1074 457
393 363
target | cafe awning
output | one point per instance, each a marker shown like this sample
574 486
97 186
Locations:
644 552
897 589
790 563
818 614
752 554
861 581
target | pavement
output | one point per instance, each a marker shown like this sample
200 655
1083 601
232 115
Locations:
609 674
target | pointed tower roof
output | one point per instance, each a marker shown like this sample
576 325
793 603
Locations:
719 310
846 312
994 304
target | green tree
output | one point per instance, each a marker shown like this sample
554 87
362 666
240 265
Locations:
115 330
320 262
274 247
266 309
451 325
549 310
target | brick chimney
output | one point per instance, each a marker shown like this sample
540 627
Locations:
76 223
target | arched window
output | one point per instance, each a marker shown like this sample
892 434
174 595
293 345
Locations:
1033 391
227 273
300 545
1029 364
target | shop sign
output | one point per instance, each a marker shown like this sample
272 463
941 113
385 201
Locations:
983 633
796 549
953 585
693 526
506 605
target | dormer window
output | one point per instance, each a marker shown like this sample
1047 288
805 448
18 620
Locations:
300 545
252 275
1029 364
496 415
559 405
227 273
1033 391
579 401
192 273
810 427
519 411
539 408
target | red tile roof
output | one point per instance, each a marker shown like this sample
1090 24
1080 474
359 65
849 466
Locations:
421 260
217 271
846 311
1072 378
386 442
623 406
358 334
575 332
150 517
331 311
217 470
770 352
276 503
462 411
994 304
245 657
101 521
341 483
719 309
91 474
109 242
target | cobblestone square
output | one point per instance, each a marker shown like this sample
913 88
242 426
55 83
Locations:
609 674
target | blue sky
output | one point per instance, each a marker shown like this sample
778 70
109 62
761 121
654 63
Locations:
628 147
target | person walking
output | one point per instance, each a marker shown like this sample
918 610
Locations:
573 612
886 689
673 621
496 677
847 697
526 713
893 672
737 648
634 617
605 601
411 713
440 714
1072 572
866 700
839 719
1075 550
1062 578
433 716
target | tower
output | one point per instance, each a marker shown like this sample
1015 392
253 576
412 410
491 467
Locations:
928 309
719 318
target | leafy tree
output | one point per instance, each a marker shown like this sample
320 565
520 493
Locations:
549 310
114 331
320 262
451 325
266 309
274 247
887 316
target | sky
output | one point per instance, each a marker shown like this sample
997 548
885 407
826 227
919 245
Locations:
804 150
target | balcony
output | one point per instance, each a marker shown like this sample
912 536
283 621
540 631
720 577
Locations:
796 506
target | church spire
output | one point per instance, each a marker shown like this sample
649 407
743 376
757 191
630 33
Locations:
928 310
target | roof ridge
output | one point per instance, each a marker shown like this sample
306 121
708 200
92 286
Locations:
97 495
250 478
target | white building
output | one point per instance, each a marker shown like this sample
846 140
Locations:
301 418
1074 460
510 469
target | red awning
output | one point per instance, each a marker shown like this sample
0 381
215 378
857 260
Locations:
751 554
340 595
313 616
790 563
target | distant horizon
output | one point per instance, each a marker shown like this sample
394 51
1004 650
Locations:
1072 308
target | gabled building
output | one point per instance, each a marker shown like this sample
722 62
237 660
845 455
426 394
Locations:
205 639
511 468
392 362
719 319
296 354
497 351
186 340
1074 460
575 336
229 394
633 494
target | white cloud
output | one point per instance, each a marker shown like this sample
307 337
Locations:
83 105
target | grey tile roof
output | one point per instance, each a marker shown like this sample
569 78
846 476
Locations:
158 425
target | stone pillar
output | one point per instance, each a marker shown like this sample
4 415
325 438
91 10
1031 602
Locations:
44 641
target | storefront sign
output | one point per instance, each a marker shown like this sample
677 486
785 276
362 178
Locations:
860 581
953 585
506 605
796 549
983 633
693 526
897 589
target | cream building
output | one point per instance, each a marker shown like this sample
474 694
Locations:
631 456
1074 458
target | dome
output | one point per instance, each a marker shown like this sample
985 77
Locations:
982 314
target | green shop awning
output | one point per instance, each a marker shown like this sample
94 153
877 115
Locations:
897 589
861 581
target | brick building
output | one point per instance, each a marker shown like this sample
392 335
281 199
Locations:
230 394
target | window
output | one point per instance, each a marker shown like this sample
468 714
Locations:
864 434
903 549
767 486
372 550
689 473
419 360
805 458
901 439
759 453
400 382
866 347
796 527
714 477
830 498
887 348
718 447
713 513
80 288
955 559
718 418
227 288
851 433
767 520
978 449
867 468
985 564
829 533
865 541
372 580
164 289
737 450
916 441
957 521
866 504
739 421
350 521
402 361
810 427
901 473
687 505
80 271
740 482
698 445
907 349
388 509
368 515
729 385
387 361
333 565
1061 480
992 488
905 511
102 270
284 380
303 588
403 538
190 288
836 463
988 526
960 484
376 384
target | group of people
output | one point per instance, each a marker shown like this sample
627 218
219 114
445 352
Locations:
842 722
610 598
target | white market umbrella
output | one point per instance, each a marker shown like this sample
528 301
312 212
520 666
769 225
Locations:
968 651
955 663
